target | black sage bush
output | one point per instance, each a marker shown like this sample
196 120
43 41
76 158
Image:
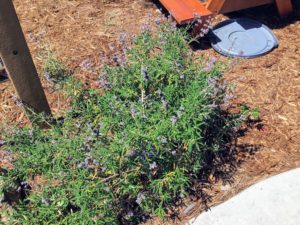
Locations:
130 152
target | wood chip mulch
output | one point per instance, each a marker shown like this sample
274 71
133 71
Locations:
80 32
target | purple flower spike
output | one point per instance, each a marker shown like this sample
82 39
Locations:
153 166
158 21
174 120
144 72
140 198
2 142
132 110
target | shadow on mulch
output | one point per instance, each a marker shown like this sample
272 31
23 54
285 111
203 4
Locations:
218 167
3 78
268 15
3 74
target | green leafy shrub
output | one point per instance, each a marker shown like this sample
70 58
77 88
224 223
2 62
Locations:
55 70
131 152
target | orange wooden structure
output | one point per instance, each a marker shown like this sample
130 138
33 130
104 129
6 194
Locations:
186 10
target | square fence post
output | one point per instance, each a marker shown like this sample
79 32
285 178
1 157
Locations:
18 62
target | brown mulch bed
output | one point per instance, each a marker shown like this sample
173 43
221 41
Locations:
80 32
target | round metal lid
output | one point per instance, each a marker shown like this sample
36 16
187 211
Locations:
243 38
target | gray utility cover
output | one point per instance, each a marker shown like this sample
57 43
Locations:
243 38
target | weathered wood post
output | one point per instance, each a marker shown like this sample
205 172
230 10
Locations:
284 7
18 61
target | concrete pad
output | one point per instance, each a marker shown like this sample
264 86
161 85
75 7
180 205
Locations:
275 201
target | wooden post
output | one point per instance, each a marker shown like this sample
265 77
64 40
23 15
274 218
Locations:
18 62
215 6
284 7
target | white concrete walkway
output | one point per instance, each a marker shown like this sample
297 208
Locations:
275 201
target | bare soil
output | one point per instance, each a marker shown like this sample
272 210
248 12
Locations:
81 32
